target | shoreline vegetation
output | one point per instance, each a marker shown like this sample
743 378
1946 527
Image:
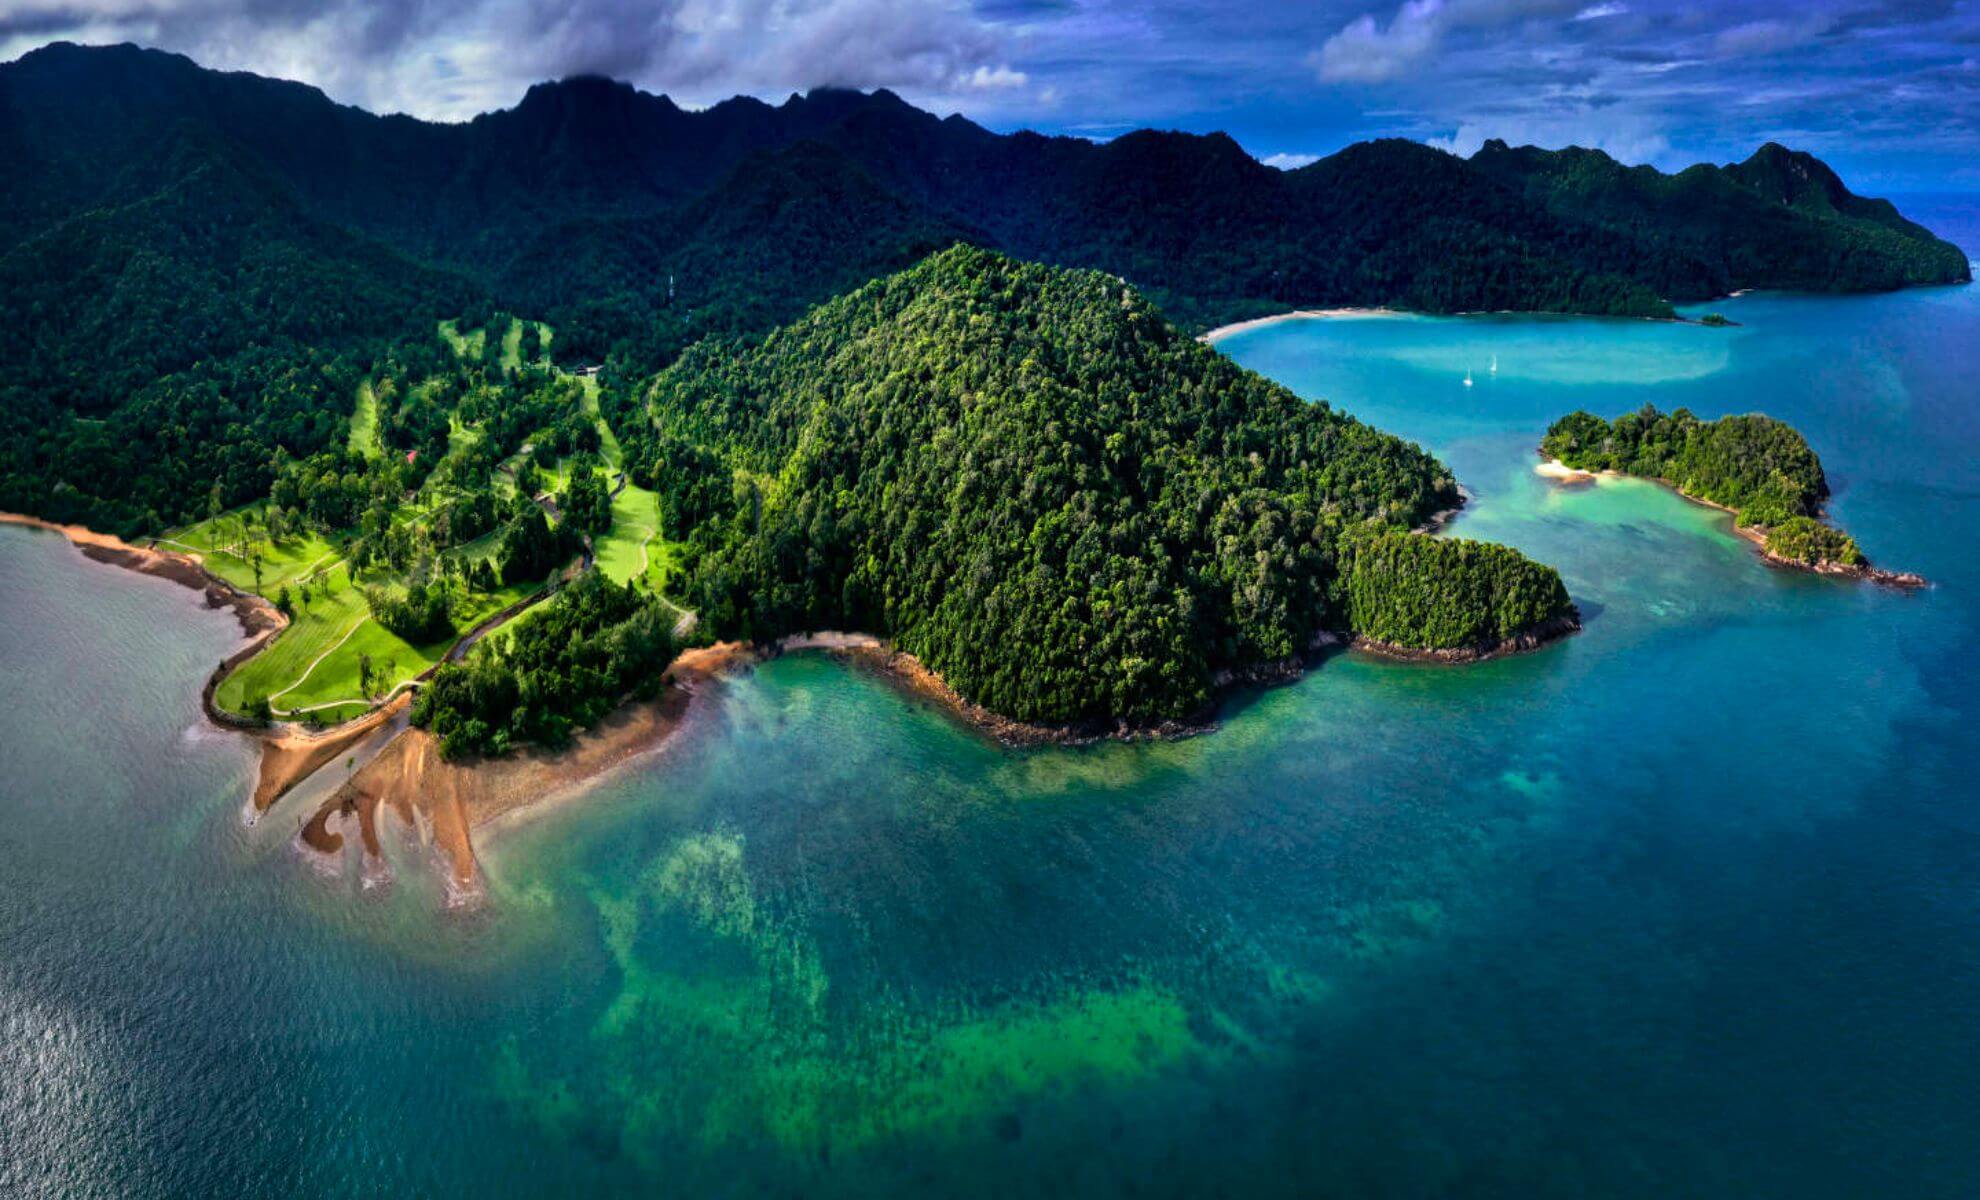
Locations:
442 803
1759 470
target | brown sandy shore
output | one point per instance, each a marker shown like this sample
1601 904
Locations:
446 802
1909 581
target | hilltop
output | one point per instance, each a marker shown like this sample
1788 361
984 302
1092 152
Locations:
1058 501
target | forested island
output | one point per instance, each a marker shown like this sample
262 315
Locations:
1759 469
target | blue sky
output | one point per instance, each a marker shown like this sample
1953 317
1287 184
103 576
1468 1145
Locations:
1888 91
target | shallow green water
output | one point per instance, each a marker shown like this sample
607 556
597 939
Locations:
1689 904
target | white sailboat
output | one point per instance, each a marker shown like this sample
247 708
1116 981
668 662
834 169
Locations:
1467 377
1495 364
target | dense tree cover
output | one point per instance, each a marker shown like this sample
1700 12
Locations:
189 328
1808 541
586 504
562 670
1760 468
1781 219
531 546
161 225
1061 503
1757 466
1425 593
695 484
420 616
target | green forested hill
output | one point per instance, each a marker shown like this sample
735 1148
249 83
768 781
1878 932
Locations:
1060 502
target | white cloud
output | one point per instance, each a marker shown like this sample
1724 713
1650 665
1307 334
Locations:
1624 137
1363 52
1290 162
1366 51
1767 37
1596 12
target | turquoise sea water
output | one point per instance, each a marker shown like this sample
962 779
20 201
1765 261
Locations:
1686 905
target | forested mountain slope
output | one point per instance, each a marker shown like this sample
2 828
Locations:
1209 232
1063 504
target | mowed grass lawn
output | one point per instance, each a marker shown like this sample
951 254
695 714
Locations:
281 562
635 520
364 423
333 610
608 442
466 345
314 663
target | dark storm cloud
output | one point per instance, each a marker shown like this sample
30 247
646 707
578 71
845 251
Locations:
1890 86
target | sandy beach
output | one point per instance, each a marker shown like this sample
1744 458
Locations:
1561 473
1567 476
1300 314
447 802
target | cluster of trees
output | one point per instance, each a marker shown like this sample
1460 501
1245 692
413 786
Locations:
1808 541
1057 500
563 670
694 484
1427 593
1759 467
531 547
586 503
421 616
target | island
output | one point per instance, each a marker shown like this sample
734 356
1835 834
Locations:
1760 470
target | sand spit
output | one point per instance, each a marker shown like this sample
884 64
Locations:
448 801
1300 314
290 755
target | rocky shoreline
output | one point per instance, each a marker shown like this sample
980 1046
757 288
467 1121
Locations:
1526 641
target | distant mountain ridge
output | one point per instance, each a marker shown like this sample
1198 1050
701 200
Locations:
588 168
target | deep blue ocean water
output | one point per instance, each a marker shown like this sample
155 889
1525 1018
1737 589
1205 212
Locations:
1686 905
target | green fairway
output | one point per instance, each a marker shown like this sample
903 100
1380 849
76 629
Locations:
609 448
226 544
467 345
633 548
313 666
364 423
331 614
512 346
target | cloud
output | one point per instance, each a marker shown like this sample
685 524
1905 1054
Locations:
1622 136
1290 162
1770 36
1596 12
450 59
1363 52
1367 52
